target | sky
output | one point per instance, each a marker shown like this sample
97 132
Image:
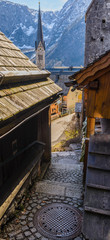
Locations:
46 5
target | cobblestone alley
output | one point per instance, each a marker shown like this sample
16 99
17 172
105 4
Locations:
61 184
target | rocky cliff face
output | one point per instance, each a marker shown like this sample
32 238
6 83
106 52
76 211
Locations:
64 31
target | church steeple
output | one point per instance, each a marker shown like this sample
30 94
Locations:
40 44
39 30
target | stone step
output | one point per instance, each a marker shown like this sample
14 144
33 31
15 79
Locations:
61 189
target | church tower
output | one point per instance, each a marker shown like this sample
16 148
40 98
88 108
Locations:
97 30
40 44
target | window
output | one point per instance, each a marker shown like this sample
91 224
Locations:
103 21
40 57
101 39
93 39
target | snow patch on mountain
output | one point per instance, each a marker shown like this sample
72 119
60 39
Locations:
30 31
64 30
25 47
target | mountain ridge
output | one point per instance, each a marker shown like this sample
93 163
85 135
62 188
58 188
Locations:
64 30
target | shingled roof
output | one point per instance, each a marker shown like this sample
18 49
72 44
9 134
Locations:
22 84
92 71
14 64
16 99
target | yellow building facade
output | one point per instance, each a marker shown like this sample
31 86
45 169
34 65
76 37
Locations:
73 98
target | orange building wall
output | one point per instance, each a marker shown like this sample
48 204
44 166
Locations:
54 108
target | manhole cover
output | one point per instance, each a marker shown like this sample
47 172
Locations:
58 221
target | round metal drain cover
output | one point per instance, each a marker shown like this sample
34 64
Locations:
58 221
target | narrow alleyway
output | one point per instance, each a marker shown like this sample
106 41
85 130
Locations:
61 184
58 126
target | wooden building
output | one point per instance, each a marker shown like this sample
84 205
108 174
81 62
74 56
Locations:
26 94
95 80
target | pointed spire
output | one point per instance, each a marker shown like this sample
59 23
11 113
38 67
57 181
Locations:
39 30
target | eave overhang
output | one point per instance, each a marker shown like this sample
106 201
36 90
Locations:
92 72
7 77
17 98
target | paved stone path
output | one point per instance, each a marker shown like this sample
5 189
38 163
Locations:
61 184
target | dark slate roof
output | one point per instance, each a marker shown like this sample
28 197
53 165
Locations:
39 30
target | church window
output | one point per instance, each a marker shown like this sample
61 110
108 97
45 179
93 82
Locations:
92 38
103 21
40 57
101 39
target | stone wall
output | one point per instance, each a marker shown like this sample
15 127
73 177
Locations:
97 30
60 81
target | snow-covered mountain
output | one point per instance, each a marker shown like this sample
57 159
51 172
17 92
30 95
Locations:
68 34
64 31
19 23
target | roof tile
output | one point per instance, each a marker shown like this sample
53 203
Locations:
19 98
11 57
22 84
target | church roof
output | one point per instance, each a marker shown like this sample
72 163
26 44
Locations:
39 30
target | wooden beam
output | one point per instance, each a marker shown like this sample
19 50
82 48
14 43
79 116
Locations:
90 127
98 101
86 79
95 68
